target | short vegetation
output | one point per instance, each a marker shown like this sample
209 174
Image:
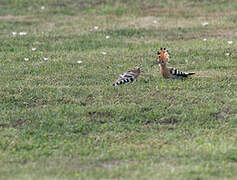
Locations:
61 118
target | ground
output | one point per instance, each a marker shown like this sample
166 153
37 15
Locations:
61 118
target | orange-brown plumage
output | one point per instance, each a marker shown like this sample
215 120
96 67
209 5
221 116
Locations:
169 72
163 58
163 55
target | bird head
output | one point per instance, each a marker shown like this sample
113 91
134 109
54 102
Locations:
136 70
163 56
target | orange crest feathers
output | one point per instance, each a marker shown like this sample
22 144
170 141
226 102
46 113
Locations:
163 55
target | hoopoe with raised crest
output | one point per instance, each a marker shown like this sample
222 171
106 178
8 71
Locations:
169 72
128 77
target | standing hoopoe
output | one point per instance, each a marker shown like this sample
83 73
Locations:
127 77
169 72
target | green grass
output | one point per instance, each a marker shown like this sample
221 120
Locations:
64 120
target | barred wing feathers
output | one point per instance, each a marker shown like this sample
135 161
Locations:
125 78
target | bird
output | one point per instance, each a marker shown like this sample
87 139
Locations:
169 72
128 77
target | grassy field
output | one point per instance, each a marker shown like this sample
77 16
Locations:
62 119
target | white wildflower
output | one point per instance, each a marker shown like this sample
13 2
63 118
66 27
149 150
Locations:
155 21
14 33
22 33
205 23
229 42
204 39
45 58
107 37
96 27
26 59
42 7
227 54
104 53
79 62
33 49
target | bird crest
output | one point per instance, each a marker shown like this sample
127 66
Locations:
163 54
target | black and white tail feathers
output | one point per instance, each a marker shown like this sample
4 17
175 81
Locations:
127 77
177 73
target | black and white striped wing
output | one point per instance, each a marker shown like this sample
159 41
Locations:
125 78
177 73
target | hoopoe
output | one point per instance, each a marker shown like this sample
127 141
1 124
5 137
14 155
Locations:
127 77
169 72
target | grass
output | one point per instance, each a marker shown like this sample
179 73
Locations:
64 120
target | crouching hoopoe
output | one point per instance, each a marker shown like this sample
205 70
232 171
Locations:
169 72
127 77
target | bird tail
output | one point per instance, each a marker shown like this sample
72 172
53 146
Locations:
190 73
123 81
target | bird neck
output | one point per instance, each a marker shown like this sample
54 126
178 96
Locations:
163 66
164 70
